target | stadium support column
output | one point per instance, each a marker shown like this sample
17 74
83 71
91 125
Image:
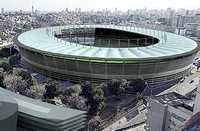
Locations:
38 61
168 68
119 43
91 71
140 67
77 66
64 60
106 71
145 42
109 44
123 70
99 43
128 43
152 40
56 67
49 73
155 70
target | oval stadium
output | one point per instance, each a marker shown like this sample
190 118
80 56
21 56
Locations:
99 53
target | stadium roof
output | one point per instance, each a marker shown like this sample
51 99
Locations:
169 44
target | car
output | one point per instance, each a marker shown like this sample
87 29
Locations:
191 81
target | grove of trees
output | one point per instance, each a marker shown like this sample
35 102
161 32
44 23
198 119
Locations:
86 96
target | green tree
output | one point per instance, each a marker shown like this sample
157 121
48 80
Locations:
24 74
93 124
4 63
138 85
52 90
15 83
75 101
94 94
73 89
98 100
35 92
86 89
34 81
117 86
2 78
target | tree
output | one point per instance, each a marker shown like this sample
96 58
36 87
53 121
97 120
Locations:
75 101
3 53
94 94
138 84
7 50
2 78
35 92
34 81
86 89
98 100
52 90
4 63
93 124
73 89
14 59
117 86
24 74
15 83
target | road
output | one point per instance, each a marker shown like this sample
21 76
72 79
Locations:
185 87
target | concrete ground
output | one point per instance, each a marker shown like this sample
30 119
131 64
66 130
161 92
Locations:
124 123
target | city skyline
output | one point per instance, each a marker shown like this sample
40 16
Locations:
52 5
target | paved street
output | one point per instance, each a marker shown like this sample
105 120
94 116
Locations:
185 87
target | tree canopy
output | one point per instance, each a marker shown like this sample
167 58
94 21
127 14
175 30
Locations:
117 87
94 94
138 84
52 90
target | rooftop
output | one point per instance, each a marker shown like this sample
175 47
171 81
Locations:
193 124
176 100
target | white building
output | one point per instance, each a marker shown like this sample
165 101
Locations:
191 28
167 111
180 31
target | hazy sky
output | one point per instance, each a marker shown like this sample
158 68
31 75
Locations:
58 5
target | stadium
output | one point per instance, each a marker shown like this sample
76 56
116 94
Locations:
99 53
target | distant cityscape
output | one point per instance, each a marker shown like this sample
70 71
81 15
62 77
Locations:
181 21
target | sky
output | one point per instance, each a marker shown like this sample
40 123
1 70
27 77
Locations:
58 5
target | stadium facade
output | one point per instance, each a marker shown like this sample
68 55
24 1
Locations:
99 53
